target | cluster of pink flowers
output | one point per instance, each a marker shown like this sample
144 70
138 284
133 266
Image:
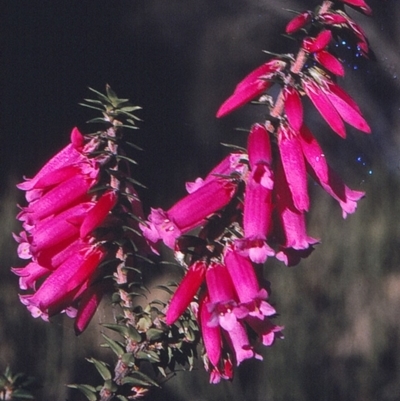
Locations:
62 236
253 204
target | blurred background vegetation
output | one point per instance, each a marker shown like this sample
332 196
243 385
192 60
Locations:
179 60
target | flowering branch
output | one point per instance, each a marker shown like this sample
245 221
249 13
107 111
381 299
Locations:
252 205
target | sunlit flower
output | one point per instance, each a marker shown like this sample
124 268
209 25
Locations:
334 105
298 22
59 237
317 47
252 86
186 291
189 212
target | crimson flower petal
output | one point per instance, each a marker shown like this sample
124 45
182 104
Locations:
98 213
211 335
361 4
293 108
251 87
88 305
295 169
313 154
186 291
330 62
298 22
347 108
313 45
324 106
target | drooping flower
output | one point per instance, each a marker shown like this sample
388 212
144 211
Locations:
293 107
252 86
317 47
298 22
189 212
257 208
359 4
246 285
339 18
61 235
290 224
186 291
334 105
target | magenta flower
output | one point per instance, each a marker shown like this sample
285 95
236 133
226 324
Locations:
231 164
189 212
298 22
341 19
293 107
252 86
265 329
66 284
334 105
361 4
294 166
291 222
257 202
211 334
245 283
59 234
317 47
223 299
186 291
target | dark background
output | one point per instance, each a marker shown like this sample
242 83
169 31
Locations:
179 60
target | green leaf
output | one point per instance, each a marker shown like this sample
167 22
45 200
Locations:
110 385
116 348
90 106
148 355
164 288
102 97
128 359
154 334
133 181
140 379
130 108
122 398
127 228
98 120
229 145
132 145
133 334
120 157
123 330
101 368
129 126
88 391
22 394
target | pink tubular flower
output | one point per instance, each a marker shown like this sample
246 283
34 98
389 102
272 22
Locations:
317 46
341 19
64 284
293 107
229 165
211 334
244 280
294 167
252 86
361 4
291 222
189 212
59 223
223 299
325 176
298 22
257 202
186 291
334 104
